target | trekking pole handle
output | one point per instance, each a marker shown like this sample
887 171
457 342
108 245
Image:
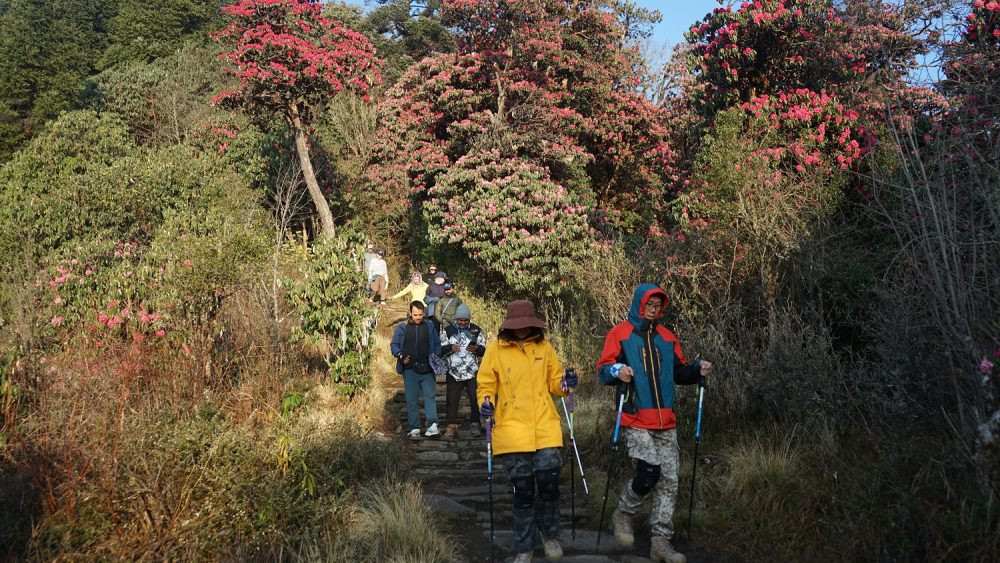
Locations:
489 440
489 422
697 426
618 420
702 381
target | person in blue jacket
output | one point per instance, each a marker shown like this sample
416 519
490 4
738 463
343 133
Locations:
412 344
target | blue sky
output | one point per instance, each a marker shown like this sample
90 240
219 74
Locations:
678 15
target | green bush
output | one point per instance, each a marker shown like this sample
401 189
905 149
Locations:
331 296
173 229
56 189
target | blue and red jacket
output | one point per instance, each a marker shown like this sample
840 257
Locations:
657 363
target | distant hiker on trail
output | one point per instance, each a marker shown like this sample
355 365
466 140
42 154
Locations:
446 309
435 291
435 283
417 289
462 349
646 358
369 255
378 276
519 373
412 344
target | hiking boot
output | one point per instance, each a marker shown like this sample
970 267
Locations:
452 432
523 557
476 430
622 525
432 430
553 550
661 550
415 433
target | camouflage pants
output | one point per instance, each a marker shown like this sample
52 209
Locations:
536 512
655 447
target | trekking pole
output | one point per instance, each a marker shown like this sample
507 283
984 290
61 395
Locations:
697 440
572 477
611 461
572 494
572 439
568 412
489 478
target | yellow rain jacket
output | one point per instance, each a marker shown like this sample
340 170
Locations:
417 291
520 379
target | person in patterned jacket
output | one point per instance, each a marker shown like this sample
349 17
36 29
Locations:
462 347
644 360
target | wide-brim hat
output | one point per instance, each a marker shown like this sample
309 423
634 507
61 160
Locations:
521 314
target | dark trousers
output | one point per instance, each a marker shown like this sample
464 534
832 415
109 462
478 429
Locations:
534 477
454 394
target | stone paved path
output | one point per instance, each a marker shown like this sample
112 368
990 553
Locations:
453 474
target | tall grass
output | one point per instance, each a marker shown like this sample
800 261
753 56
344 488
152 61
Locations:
392 523
770 501
184 446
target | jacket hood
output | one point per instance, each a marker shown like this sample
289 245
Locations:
639 298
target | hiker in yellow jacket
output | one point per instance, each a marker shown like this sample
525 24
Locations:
417 289
519 373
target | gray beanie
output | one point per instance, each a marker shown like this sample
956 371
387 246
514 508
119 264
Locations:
462 312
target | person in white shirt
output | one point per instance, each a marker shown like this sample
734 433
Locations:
369 256
378 277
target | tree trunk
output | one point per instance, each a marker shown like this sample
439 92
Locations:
319 200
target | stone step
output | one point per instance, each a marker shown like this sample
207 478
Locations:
586 541
440 396
446 463
442 445
463 417
502 505
440 403
462 443
457 473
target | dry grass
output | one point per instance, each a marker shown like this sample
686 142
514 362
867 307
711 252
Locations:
765 494
181 447
393 524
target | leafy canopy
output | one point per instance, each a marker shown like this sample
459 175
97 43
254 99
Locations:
549 91
290 60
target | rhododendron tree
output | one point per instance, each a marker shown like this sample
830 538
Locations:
941 205
794 94
548 90
510 217
289 61
973 69
758 197
767 46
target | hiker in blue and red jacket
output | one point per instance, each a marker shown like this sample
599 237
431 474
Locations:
646 359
